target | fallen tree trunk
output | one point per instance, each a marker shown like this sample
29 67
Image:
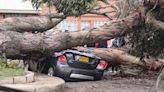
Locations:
121 57
14 43
17 43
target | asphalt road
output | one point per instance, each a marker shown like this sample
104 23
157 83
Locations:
114 85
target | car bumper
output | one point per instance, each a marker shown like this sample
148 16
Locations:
81 76
68 72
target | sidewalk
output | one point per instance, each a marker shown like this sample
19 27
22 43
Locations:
43 83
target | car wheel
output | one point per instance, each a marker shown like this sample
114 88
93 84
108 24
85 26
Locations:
51 71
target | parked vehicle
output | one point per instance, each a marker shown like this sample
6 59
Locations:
73 65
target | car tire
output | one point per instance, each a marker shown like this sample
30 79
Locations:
51 71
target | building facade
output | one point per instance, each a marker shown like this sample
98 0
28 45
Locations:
17 8
84 22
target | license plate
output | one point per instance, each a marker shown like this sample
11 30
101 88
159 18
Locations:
84 59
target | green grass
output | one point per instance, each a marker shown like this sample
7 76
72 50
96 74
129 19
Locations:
10 72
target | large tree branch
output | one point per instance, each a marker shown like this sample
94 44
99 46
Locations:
15 43
122 26
43 23
30 24
104 7
151 19
125 9
106 14
98 7
120 56
62 16
154 1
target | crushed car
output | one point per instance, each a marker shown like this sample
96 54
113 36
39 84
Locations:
73 65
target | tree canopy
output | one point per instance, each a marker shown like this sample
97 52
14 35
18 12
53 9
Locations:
68 7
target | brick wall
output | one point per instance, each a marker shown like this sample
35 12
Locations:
47 10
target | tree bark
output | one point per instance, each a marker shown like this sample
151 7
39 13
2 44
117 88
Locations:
29 24
14 43
44 23
125 9
121 57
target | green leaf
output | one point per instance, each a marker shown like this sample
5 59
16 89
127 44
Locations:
68 7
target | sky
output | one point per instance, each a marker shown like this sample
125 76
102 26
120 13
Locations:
16 5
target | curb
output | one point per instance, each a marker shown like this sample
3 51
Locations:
42 83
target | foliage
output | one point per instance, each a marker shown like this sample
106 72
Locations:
8 72
147 39
68 7
3 63
37 3
13 64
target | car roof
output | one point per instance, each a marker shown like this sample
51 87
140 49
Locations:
81 53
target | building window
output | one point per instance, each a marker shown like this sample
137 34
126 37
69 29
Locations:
97 23
70 25
85 25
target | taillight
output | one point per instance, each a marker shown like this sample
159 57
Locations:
102 65
62 59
